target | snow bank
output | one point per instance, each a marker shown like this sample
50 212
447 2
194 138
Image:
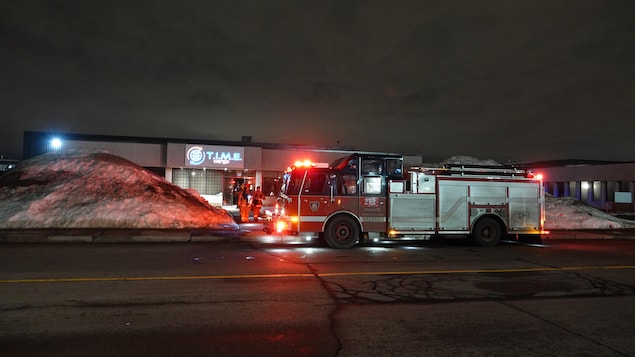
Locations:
569 213
99 190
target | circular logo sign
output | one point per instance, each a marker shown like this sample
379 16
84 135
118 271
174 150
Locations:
196 155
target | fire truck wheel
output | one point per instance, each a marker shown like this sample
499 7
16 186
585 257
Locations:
341 232
487 232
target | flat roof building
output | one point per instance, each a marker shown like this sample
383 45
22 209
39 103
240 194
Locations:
217 168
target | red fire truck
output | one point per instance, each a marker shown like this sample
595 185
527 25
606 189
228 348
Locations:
368 196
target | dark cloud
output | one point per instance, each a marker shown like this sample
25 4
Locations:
526 80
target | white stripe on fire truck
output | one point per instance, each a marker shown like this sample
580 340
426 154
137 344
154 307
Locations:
323 218
312 218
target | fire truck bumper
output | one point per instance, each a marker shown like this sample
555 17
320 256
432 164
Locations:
278 225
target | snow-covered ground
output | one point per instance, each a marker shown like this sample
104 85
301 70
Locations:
100 190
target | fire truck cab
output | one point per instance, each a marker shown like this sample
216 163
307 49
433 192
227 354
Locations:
369 196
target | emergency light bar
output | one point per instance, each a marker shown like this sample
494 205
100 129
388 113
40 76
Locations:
305 163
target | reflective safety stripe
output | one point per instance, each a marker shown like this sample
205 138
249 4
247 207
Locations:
373 219
312 218
323 218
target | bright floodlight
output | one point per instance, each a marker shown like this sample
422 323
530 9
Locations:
56 143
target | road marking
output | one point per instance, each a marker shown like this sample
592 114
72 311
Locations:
309 275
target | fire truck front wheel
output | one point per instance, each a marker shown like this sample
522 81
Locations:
487 232
341 232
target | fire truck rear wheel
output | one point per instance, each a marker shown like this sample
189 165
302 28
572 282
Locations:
487 232
341 232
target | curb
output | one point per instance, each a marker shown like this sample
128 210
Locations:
113 236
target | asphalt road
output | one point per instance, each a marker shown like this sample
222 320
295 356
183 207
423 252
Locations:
253 295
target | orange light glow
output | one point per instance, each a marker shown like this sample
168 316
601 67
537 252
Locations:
294 219
539 177
305 163
280 226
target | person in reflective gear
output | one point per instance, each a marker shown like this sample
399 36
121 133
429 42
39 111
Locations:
257 200
244 203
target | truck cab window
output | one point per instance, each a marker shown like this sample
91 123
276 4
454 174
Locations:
314 184
347 185
372 185
394 167
292 184
371 167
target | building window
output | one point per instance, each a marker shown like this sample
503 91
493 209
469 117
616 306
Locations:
611 188
597 191
205 182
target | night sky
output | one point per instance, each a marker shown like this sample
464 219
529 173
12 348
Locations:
507 80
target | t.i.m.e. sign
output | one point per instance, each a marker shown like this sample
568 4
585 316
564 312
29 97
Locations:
214 157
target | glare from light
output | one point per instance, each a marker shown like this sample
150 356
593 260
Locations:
309 251
56 143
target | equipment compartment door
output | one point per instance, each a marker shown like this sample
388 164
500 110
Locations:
453 206
412 212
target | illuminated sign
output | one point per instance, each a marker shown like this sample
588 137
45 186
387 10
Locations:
214 156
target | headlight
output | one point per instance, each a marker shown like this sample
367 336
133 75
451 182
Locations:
280 226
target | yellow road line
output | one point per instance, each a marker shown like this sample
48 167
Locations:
308 275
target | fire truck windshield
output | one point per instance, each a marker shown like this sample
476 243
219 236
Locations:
314 183
292 183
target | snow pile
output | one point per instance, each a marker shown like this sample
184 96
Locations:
99 190
570 213
468 160
460 160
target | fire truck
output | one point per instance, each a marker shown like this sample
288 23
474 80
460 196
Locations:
369 196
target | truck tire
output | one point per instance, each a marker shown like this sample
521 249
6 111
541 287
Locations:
341 232
487 232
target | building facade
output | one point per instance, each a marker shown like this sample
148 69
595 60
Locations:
216 169
608 186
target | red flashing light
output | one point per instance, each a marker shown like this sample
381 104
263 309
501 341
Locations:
300 164
305 163
534 176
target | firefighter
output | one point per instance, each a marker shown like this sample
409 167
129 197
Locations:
243 203
256 204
